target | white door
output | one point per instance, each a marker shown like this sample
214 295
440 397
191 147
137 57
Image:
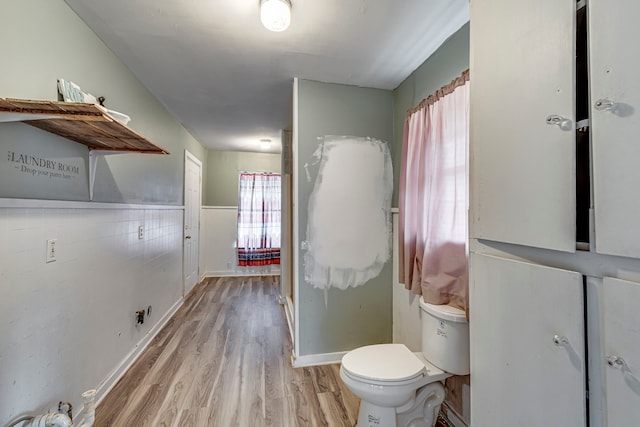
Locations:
615 120
621 321
522 168
192 202
527 345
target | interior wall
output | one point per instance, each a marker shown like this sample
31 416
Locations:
223 169
338 320
43 40
218 226
447 63
68 326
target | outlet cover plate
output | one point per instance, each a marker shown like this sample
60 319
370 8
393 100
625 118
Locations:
51 255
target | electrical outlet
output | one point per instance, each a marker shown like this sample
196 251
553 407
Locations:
51 254
141 232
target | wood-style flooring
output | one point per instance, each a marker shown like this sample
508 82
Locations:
224 359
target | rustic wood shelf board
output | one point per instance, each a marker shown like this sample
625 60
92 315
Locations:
87 124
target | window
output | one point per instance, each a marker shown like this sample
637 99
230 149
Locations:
259 215
433 195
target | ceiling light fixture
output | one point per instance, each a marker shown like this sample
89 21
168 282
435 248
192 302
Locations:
265 144
275 14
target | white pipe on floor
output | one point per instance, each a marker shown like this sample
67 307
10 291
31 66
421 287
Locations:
63 420
50 420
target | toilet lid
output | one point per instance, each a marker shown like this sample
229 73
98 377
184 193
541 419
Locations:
383 362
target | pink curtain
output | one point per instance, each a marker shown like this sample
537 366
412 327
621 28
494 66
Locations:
259 219
433 196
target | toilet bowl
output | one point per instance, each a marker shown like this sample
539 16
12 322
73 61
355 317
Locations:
401 388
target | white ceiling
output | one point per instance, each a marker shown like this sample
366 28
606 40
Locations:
229 80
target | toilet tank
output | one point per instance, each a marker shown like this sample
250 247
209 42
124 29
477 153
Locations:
445 337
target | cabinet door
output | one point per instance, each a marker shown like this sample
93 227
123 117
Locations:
621 319
615 124
519 375
522 168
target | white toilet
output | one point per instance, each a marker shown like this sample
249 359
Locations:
398 388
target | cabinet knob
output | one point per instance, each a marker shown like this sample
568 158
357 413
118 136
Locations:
560 341
562 122
605 104
616 362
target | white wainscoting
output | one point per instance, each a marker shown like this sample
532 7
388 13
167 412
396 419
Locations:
218 235
69 325
406 309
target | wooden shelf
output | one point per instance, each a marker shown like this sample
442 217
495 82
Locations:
88 124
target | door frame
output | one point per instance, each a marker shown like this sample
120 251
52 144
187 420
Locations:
287 253
190 161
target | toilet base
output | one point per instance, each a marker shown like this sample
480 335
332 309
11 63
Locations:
370 415
419 412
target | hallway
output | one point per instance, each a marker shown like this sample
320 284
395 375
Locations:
224 360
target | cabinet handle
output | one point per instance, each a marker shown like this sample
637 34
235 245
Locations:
605 104
560 341
562 122
187 237
616 362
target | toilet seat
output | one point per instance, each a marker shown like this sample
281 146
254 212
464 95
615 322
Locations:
384 364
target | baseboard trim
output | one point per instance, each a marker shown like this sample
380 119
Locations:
452 416
288 312
112 379
316 359
239 274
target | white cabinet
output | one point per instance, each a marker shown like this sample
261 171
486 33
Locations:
523 71
621 352
527 340
615 124
523 192
522 168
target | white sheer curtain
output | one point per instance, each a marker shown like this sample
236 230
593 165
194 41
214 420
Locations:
434 196
259 219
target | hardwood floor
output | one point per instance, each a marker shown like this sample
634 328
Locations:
224 360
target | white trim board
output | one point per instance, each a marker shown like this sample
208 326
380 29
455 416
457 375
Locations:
71 204
288 312
317 359
220 207
453 417
239 274
112 379
296 223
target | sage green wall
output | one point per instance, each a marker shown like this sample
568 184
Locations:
357 316
43 40
447 63
223 169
